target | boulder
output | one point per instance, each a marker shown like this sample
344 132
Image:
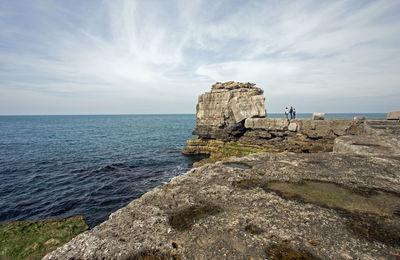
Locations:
270 124
318 116
359 118
292 127
220 113
379 137
366 145
393 115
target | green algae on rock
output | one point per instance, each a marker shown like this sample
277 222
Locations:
218 150
371 214
34 239
332 195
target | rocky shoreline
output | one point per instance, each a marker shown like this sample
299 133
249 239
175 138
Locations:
245 208
341 204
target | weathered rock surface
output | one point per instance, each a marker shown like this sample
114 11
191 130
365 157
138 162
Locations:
300 135
263 206
379 137
220 113
393 115
279 134
274 124
234 112
309 127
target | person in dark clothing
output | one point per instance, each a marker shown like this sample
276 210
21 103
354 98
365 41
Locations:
291 112
294 113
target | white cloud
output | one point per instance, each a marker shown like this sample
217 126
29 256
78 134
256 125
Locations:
300 52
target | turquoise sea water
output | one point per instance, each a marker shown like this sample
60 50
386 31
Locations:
59 166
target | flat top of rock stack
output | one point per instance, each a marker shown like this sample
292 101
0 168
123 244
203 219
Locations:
232 85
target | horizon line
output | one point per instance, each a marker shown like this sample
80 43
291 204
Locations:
126 114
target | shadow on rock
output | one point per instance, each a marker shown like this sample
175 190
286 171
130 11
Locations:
184 218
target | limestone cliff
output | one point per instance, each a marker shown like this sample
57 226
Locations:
220 113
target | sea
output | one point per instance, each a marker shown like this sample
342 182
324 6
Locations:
91 165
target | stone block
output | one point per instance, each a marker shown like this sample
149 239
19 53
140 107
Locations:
318 116
247 107
393 115
269 124
359 118
292 127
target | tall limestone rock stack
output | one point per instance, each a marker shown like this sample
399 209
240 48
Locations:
221 115
221 112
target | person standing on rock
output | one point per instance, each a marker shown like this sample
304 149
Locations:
291 112
294 113
286 112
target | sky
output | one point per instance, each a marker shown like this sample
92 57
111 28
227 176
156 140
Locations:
158 56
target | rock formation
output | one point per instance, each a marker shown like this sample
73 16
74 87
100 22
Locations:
234 113
340 205
299 135
220 113
378 137
262 206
